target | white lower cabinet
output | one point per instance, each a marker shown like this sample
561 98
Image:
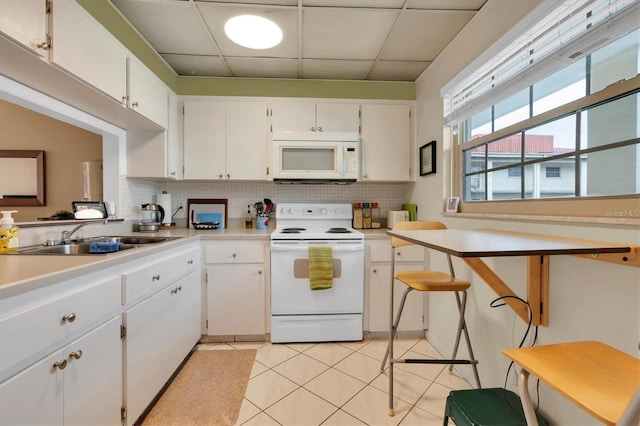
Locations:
80 384
236 288
161 331
379 270
162 323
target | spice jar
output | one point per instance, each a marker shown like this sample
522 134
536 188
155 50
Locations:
366 216
357 216
375 215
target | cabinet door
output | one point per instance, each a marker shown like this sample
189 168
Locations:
162 328
174 141
185 305
379 282
24 21
93 377
34 396
386 142
246 144
204 140
85 49
338 118
147 94
293 117
236 300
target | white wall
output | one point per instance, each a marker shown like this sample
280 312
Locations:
589 300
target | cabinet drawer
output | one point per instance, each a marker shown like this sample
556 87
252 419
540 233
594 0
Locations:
250 253
382 253
29 332
158 273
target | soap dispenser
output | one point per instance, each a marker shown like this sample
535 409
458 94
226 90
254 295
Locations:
8 232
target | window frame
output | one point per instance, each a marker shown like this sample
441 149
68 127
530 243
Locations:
578 206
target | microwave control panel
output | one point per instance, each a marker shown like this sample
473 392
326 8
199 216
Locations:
350 160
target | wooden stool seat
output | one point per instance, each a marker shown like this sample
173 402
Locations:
596 377
432 281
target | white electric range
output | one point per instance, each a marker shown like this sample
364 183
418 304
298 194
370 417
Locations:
299 314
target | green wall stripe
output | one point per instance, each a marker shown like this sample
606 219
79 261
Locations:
341 89
105 13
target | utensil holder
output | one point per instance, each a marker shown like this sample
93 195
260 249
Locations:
262 221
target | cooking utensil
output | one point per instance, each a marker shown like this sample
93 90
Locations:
259 207
268 206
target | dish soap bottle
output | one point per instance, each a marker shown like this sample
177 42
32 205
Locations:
8 232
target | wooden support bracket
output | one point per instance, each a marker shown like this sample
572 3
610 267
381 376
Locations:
537 288
630 259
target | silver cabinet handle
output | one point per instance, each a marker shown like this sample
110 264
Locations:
190 262
176 290
233 255
134 104
75 354
220 175
60 365
320 129
69 317
313 129
155 277
375 271
259 272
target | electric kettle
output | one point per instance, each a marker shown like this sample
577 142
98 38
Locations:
150 217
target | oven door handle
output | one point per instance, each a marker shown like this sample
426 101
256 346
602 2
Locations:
305 247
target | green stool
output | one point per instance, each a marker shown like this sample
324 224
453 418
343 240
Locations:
483 407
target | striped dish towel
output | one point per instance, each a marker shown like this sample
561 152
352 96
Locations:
320 267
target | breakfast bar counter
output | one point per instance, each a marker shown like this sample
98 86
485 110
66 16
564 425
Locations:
472 245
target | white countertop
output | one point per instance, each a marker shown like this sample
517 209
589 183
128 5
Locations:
22 273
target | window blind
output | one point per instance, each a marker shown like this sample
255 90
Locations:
552 36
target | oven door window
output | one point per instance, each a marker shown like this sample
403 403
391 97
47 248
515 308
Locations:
316 159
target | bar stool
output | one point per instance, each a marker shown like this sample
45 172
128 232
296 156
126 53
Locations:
425 280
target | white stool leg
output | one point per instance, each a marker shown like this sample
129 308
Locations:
527 405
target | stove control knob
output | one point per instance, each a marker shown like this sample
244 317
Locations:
323 211
345 210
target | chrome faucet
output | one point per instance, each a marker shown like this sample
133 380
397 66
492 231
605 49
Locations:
66 235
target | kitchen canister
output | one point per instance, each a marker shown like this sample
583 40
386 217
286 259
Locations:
262 221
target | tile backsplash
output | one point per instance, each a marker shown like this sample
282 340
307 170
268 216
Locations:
134 192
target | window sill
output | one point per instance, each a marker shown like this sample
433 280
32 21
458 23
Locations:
547 218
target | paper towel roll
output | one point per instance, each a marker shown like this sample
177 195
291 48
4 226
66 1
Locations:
164 201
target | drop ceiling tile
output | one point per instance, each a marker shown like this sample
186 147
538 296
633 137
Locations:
397 70
263 67
380 4
331 69
216 14
446 4
262 2
421 35
192 65
336 33
170 27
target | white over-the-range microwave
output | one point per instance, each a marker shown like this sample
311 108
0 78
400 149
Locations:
316 157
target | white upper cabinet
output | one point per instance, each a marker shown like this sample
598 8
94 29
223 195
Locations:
312 117
174 141
386 143
87 50
246 147
25 21
225 140
147 94
204 140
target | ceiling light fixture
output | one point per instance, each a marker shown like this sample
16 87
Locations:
254 32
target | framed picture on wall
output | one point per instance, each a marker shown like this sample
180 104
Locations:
428 158
452 204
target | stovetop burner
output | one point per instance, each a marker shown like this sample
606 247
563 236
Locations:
338 231
292 230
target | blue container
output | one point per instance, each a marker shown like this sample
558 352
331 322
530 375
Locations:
262 221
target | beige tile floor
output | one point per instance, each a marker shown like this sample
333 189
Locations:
341 384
